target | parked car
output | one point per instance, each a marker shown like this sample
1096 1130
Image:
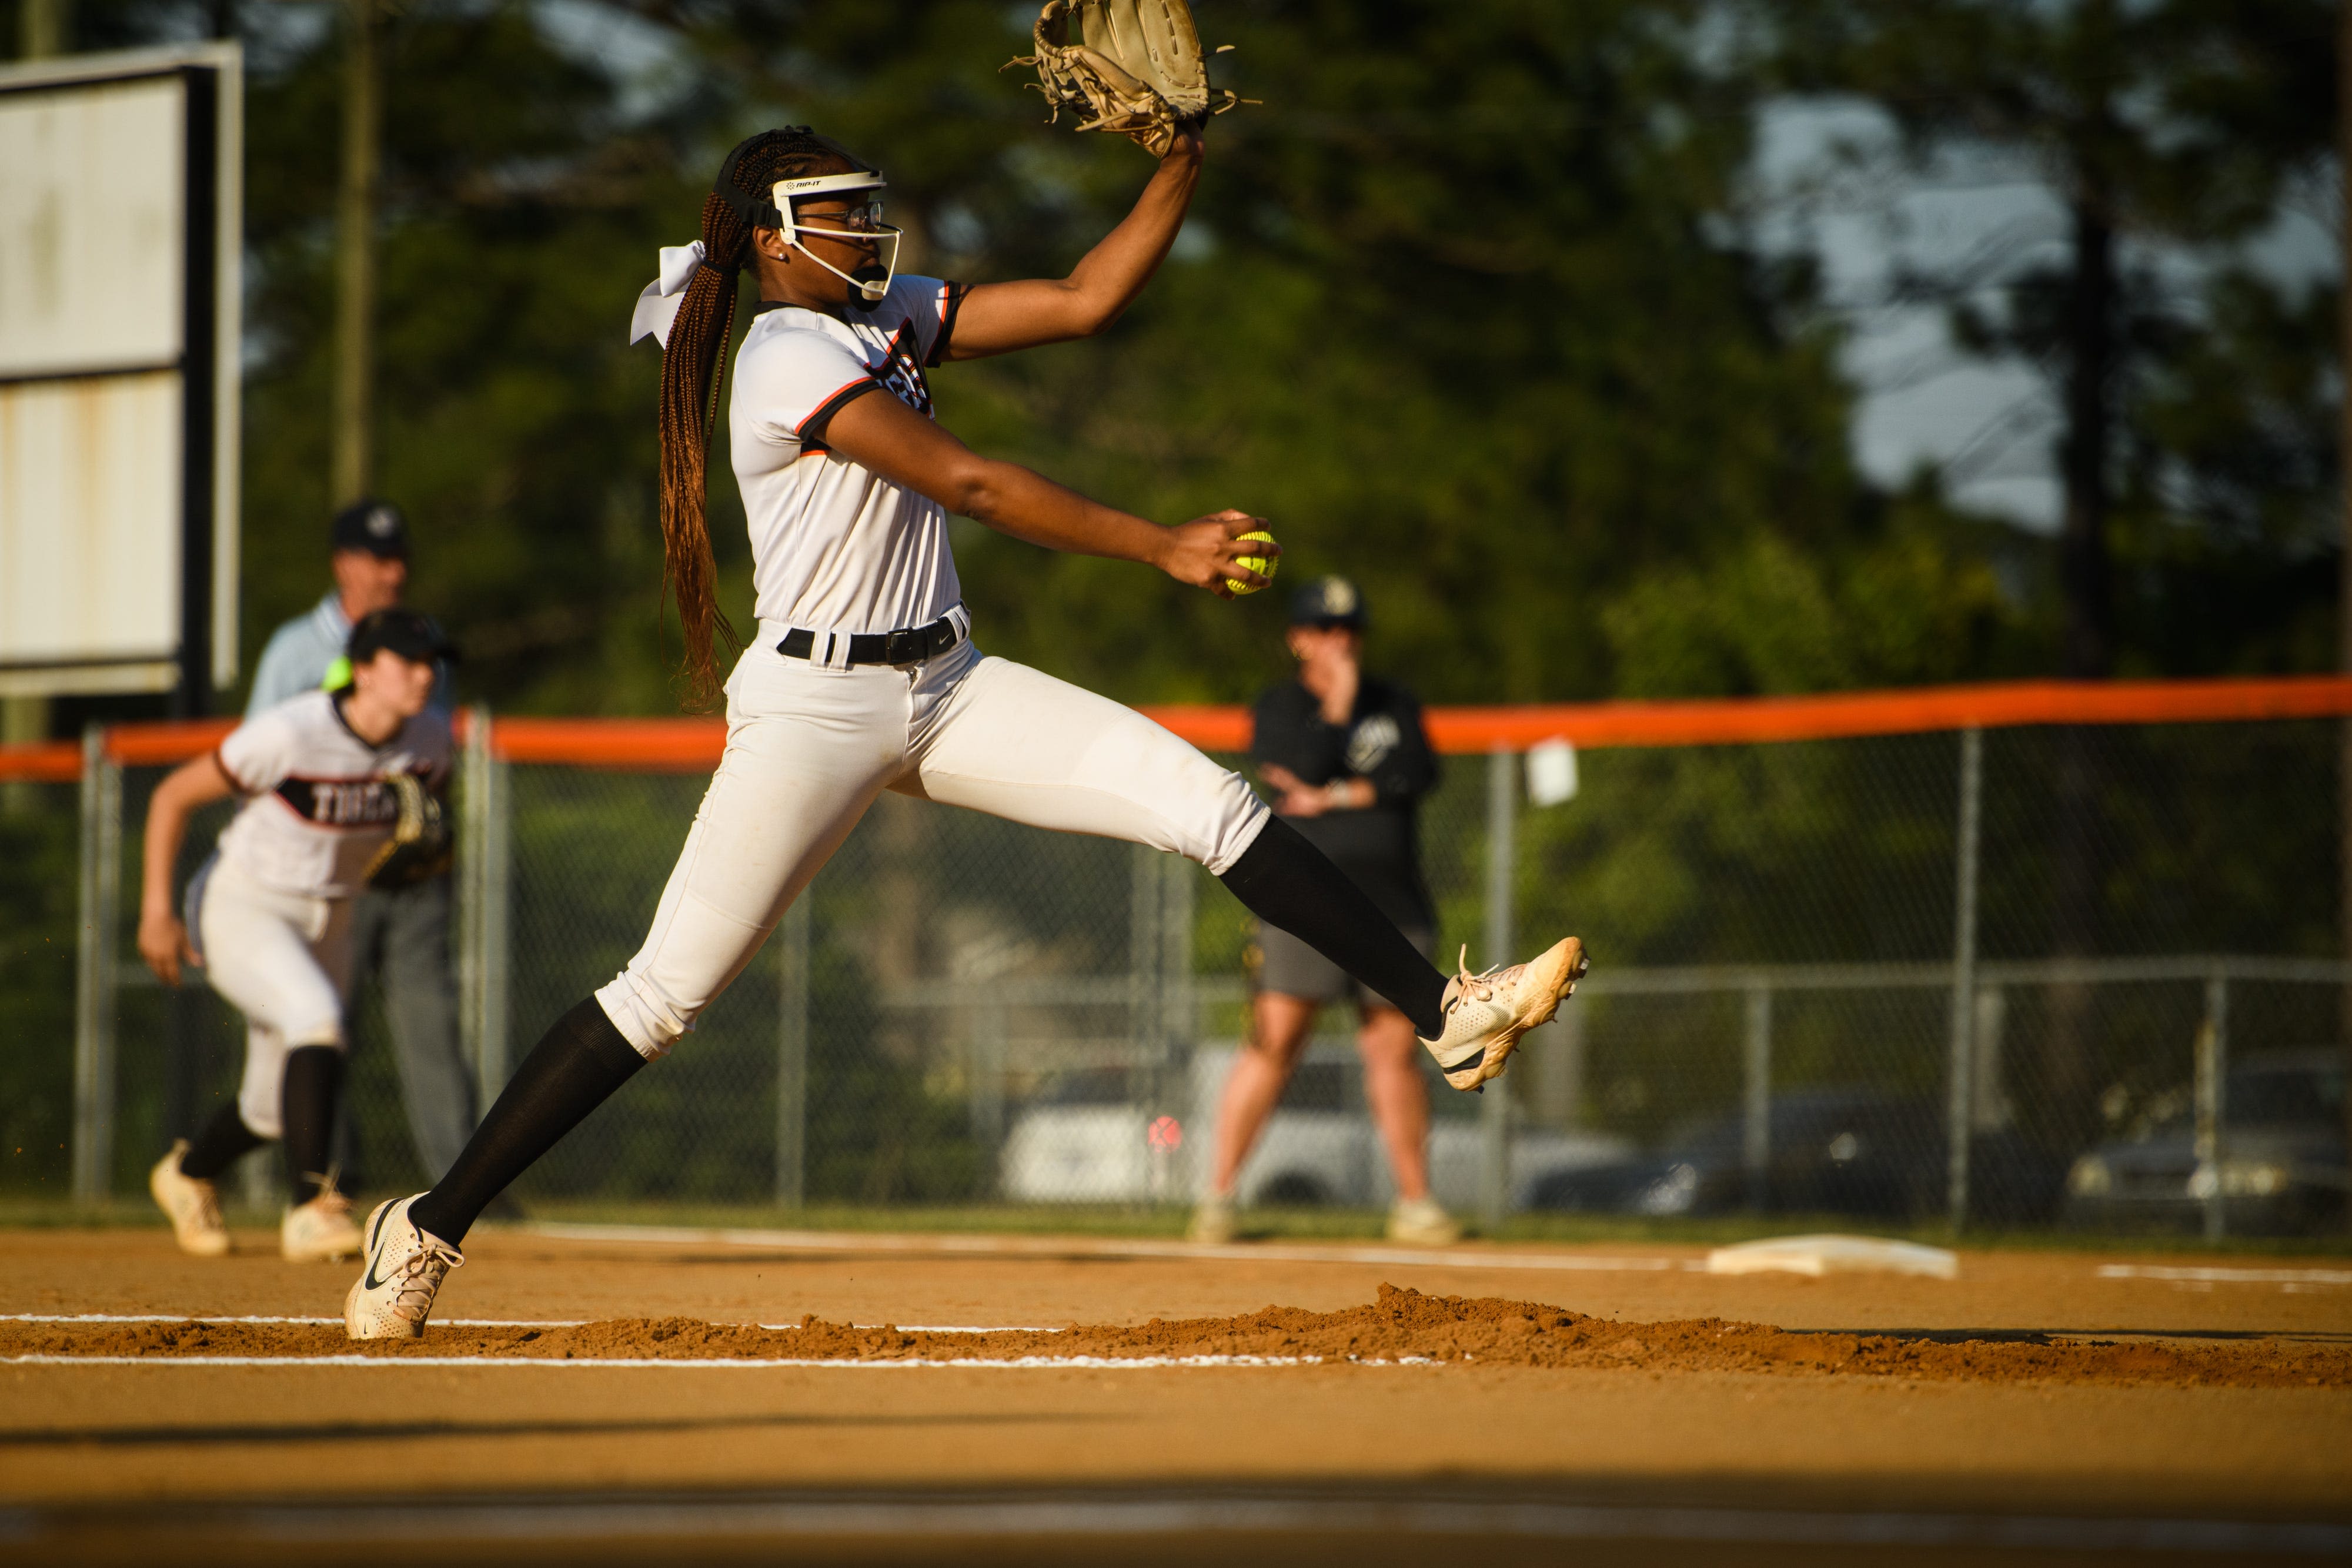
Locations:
2283 1170
1840 1150
1090 1140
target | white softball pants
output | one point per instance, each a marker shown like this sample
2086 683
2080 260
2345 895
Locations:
810 748
282 960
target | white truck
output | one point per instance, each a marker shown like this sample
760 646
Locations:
1093 1144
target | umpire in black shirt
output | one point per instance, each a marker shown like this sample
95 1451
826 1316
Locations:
1348 760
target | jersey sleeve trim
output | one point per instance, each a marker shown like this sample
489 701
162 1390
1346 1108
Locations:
235 783
811 430
951 301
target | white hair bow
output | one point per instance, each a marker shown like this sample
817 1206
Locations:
658 305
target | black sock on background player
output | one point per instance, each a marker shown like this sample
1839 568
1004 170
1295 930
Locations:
313 1084
1289 883
575 1067
224 1141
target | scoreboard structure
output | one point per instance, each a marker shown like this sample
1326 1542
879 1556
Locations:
121 223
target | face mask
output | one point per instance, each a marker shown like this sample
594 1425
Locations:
867 284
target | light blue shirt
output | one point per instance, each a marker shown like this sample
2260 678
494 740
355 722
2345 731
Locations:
298 653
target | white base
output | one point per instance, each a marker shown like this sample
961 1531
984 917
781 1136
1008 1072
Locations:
1818 1255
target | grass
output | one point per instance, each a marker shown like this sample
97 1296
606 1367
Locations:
1262 1224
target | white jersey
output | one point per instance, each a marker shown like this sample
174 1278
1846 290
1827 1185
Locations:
836 546
318 807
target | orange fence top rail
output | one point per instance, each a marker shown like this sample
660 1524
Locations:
44 762
1719 721
692 745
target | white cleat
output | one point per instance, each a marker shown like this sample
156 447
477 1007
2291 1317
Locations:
1486 1014
192 1205
321 1230
404 1269
1422 1222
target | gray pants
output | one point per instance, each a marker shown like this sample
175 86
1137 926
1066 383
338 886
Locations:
401 935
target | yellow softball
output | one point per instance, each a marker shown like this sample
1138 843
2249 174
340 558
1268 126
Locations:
1266 565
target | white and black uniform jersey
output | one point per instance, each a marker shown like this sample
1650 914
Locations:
317 806
839 550
273 917
835 546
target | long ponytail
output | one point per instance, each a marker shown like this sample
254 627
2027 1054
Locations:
691 382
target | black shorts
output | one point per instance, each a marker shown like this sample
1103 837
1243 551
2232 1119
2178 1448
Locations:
1292 968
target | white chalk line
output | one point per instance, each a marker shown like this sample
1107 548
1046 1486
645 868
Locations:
256 1317
709 1363
205 1318
2219 1276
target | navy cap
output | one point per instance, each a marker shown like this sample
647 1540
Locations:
1328 601
375 527
404 632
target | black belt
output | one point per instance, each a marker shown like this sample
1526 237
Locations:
909 645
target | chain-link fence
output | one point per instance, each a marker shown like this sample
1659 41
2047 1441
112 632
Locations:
2031 975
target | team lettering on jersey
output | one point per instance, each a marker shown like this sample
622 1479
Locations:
901 371
341 802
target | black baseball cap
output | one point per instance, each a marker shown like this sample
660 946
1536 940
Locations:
1328 601
375 527
404 632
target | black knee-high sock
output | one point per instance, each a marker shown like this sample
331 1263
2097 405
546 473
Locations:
573 1069
226 1139
307 1098
1288 883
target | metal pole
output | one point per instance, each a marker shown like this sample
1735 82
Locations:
102 882
1502 859
1176 1012
1561 1086
493 952
44 27
1958 1112
2212 1103
353 454
792 1055
1180 1017
1756 1134
472 780
989 1029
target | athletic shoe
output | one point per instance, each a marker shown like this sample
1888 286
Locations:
321 1230
1213 1221
1420 1222
1486 1014
192 1205
404 1269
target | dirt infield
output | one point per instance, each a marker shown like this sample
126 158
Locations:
2042 1403
1400 1326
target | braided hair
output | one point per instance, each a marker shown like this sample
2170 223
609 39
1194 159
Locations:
691 378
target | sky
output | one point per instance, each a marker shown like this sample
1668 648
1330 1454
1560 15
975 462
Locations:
1827 180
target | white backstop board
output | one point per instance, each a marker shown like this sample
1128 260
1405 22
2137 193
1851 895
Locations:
121 242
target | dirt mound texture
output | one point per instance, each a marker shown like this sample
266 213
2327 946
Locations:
1399 1325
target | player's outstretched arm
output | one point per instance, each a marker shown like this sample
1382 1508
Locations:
894 441
998 318
162 939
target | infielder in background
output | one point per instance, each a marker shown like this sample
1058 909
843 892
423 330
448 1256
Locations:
864 677
399 934
1349 760
273 914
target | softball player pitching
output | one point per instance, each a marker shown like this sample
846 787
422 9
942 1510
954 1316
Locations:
270 921
863 676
